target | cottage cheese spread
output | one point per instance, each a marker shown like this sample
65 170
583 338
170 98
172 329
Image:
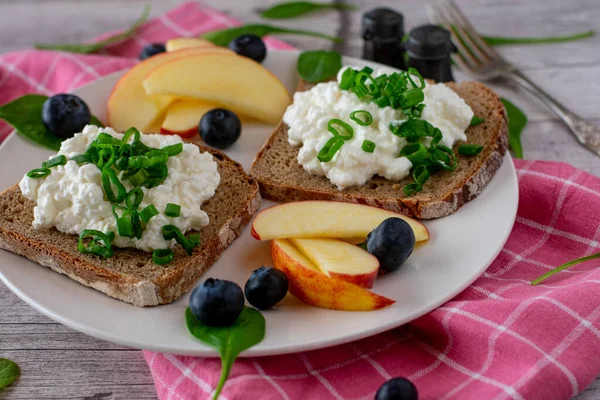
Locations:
311 110
71 197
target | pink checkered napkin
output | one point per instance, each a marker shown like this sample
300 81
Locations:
500 338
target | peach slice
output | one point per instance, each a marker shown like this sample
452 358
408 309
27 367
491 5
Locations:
330 219
186 42
340 260
183 116
128 104
313 287
237 83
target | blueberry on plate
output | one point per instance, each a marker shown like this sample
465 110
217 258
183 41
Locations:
220 128
397 389
65 115
217 302
392 242
250 46
152 49
266 287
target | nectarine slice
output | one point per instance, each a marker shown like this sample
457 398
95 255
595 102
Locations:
183 117
313 287
186 42
237 83
330 219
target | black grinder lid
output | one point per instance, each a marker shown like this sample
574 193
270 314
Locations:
382 24
429 42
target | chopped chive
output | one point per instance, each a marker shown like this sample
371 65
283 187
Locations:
148 212
173 149
469 150
361 117
162 256
347 80
139 177
345 131
331 147
368 146
134 198
109 178
415 152
476 120
172 210
100 243
39 173
80 159
56 161
125 226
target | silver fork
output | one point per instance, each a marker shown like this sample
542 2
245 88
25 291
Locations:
480 60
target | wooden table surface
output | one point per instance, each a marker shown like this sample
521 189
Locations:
59 363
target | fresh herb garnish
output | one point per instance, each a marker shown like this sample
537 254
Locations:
224 36
368 146
9 372
361 117
563 267
469 150
86 48
501 40
516 122
293 9
25 115
247 331
476 121
318 66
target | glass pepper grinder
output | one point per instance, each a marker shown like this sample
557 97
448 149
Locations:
428 48
382 31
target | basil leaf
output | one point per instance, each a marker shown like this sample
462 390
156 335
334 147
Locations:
9 372
563 267
500 40
224 36
25 115
247 331
318 66
516 122
86 48
298 8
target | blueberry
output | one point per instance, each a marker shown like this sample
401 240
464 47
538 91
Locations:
392 242
152 49
65 115
397 389
250 46
220 128
266 287
217 302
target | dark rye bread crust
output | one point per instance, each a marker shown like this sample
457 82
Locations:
282 179
130 275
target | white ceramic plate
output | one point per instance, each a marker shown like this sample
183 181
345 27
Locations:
462 246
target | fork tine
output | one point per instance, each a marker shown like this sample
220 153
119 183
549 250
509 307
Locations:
470 32
464 59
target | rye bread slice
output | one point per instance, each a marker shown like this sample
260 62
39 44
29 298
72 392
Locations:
282 179
130 275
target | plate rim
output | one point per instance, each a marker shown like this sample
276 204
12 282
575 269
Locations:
206 351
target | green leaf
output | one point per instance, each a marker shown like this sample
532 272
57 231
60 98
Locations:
96 121
563 267
9 372
516 122
247 331
501 40
318 66
476 121
293 9
25 115
86 48
224 36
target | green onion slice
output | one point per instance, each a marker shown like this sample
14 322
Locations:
100 243
367 70
39 173
476 121
109 178
56 161
412 71
413 129
444 157
162 256
420 175
345 131
134 198
156 175
138 177
348 79
151 161
130 132
106 158
173 232
125 226
361 117
331 147
117 207
411 98
80 159
415 152
368 146
137 224
172 210
469 150
383 101
148 212
173 149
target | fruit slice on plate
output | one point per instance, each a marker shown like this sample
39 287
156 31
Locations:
340 260
186 42
311 286
237 83
183 116
128 104
331 219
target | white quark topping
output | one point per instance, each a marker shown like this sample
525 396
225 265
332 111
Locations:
72 200
311 111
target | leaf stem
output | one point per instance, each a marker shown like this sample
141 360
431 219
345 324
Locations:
225 368
563 267
501 40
